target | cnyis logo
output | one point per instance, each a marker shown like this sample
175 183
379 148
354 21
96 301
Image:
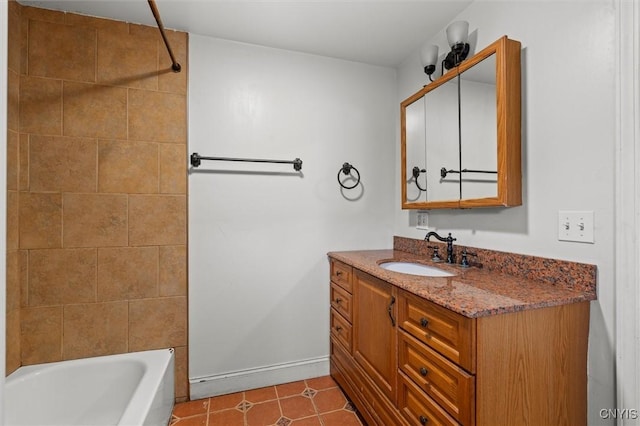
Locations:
619 413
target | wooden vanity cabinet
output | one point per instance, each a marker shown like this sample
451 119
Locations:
408 361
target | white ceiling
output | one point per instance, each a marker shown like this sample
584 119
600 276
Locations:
379 32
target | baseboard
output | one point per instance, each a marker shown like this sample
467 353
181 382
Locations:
204 387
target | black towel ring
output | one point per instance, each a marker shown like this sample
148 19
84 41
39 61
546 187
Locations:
346 169
416 174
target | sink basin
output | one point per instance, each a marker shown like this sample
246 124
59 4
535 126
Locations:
412 268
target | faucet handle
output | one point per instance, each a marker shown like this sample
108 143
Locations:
435 257
464 262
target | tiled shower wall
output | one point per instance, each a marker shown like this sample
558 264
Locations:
97 190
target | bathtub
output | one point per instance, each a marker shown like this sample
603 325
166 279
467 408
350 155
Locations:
129 389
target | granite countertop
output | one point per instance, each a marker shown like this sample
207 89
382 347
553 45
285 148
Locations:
472 292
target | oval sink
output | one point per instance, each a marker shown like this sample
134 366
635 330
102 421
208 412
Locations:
412 268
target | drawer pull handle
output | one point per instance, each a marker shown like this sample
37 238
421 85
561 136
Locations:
338 273
423 420
424 322
338 328
338 300
423 372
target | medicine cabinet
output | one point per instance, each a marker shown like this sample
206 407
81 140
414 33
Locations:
460 135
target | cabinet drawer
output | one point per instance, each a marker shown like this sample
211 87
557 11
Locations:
448 385
418 408
341 274
450 334
340 329
341 301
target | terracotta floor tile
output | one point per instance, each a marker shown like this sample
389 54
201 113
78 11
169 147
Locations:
230 417
191 408
309 421
290 389
329 400
266 413
261 394
319 383
297 407
200 420
340 418
289 404
224 402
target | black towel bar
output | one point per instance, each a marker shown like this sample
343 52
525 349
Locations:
197 158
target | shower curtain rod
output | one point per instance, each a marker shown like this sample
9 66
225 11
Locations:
175 65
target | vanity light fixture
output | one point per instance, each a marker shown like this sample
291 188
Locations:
429 57
457 36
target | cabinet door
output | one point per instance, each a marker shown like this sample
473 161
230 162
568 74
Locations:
374 331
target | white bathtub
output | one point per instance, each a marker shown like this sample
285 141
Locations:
129 389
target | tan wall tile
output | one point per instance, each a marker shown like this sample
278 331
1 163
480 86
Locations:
95 329
43 14
95 220
125 60
127 273
13 161
157 220
40 219
145 32
128 167
62 164
97 23
40 105
170 81
62 51
61 276
13 100
173 169
24 42
181 372
13 280
23 174
41 334
12 339
14 42
14 7
173 271
157 323
24 277
156 116
13 236
93 110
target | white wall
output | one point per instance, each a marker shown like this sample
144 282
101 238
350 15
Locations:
568 135
259 234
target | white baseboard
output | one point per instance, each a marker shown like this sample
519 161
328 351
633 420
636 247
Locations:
204 387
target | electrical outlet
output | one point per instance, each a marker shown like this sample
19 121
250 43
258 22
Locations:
575 226
422 220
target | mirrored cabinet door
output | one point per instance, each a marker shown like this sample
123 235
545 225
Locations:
479 131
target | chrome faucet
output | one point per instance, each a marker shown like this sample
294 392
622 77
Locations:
449 240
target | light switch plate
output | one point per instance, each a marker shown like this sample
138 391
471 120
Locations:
575 226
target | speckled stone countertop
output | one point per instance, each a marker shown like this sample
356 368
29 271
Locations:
473 292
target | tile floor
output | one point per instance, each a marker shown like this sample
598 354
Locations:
317 402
